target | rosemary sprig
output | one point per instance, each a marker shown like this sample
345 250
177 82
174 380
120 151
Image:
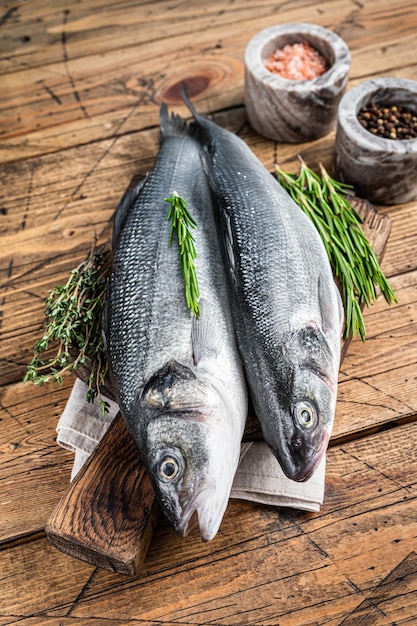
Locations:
351 256
73 316
182 222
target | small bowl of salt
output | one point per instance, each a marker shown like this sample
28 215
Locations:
295 76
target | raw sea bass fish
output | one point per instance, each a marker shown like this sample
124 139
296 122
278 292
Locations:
178 378
287 309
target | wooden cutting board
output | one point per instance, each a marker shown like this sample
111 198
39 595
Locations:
109 511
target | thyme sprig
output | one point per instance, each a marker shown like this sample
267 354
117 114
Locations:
351 256
182 223
73 316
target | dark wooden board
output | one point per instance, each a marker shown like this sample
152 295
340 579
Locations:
108 514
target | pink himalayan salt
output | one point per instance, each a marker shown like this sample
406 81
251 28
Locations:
298 61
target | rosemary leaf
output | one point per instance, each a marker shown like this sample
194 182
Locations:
354 263
182 222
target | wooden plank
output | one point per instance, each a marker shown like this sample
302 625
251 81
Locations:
397 260
269 566
29 585
375 388
373 403
102 28
34 472
265 566
376 355
49 620
84 97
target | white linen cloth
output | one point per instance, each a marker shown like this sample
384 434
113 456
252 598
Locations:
259 477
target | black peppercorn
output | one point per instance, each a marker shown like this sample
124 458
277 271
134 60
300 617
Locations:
390 122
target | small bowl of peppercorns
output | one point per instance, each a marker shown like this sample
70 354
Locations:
376 140
295 75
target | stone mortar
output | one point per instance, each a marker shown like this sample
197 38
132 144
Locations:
294 111
382 170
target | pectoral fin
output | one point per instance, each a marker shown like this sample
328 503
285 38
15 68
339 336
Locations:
205 333
329 299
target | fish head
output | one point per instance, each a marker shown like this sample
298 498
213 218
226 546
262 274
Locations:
306 403
187 473
189 452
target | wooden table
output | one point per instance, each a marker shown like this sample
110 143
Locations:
80 91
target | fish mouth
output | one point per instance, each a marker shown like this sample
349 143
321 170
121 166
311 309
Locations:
307 469
204 510
301 459
187 523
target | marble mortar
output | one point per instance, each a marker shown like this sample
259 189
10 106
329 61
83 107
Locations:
294 111
382 170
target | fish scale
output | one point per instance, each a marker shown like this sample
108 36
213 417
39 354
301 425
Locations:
178 379
286 307
139 309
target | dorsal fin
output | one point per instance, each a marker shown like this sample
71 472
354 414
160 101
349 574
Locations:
173 125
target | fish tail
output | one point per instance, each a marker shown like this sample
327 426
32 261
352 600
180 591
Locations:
172 126
200 120
188 103
202 127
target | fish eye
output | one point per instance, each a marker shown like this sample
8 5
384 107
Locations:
305 415
169 468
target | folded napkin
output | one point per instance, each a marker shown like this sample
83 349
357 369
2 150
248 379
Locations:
259 477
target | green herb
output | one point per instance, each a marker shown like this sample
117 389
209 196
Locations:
182 222
73 328
351 256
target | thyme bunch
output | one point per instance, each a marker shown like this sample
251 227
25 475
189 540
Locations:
351 256
73 316
182 223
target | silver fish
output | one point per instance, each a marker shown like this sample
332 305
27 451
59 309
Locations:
178 378
287 309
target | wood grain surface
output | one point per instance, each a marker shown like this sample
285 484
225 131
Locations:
81 85
108 514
